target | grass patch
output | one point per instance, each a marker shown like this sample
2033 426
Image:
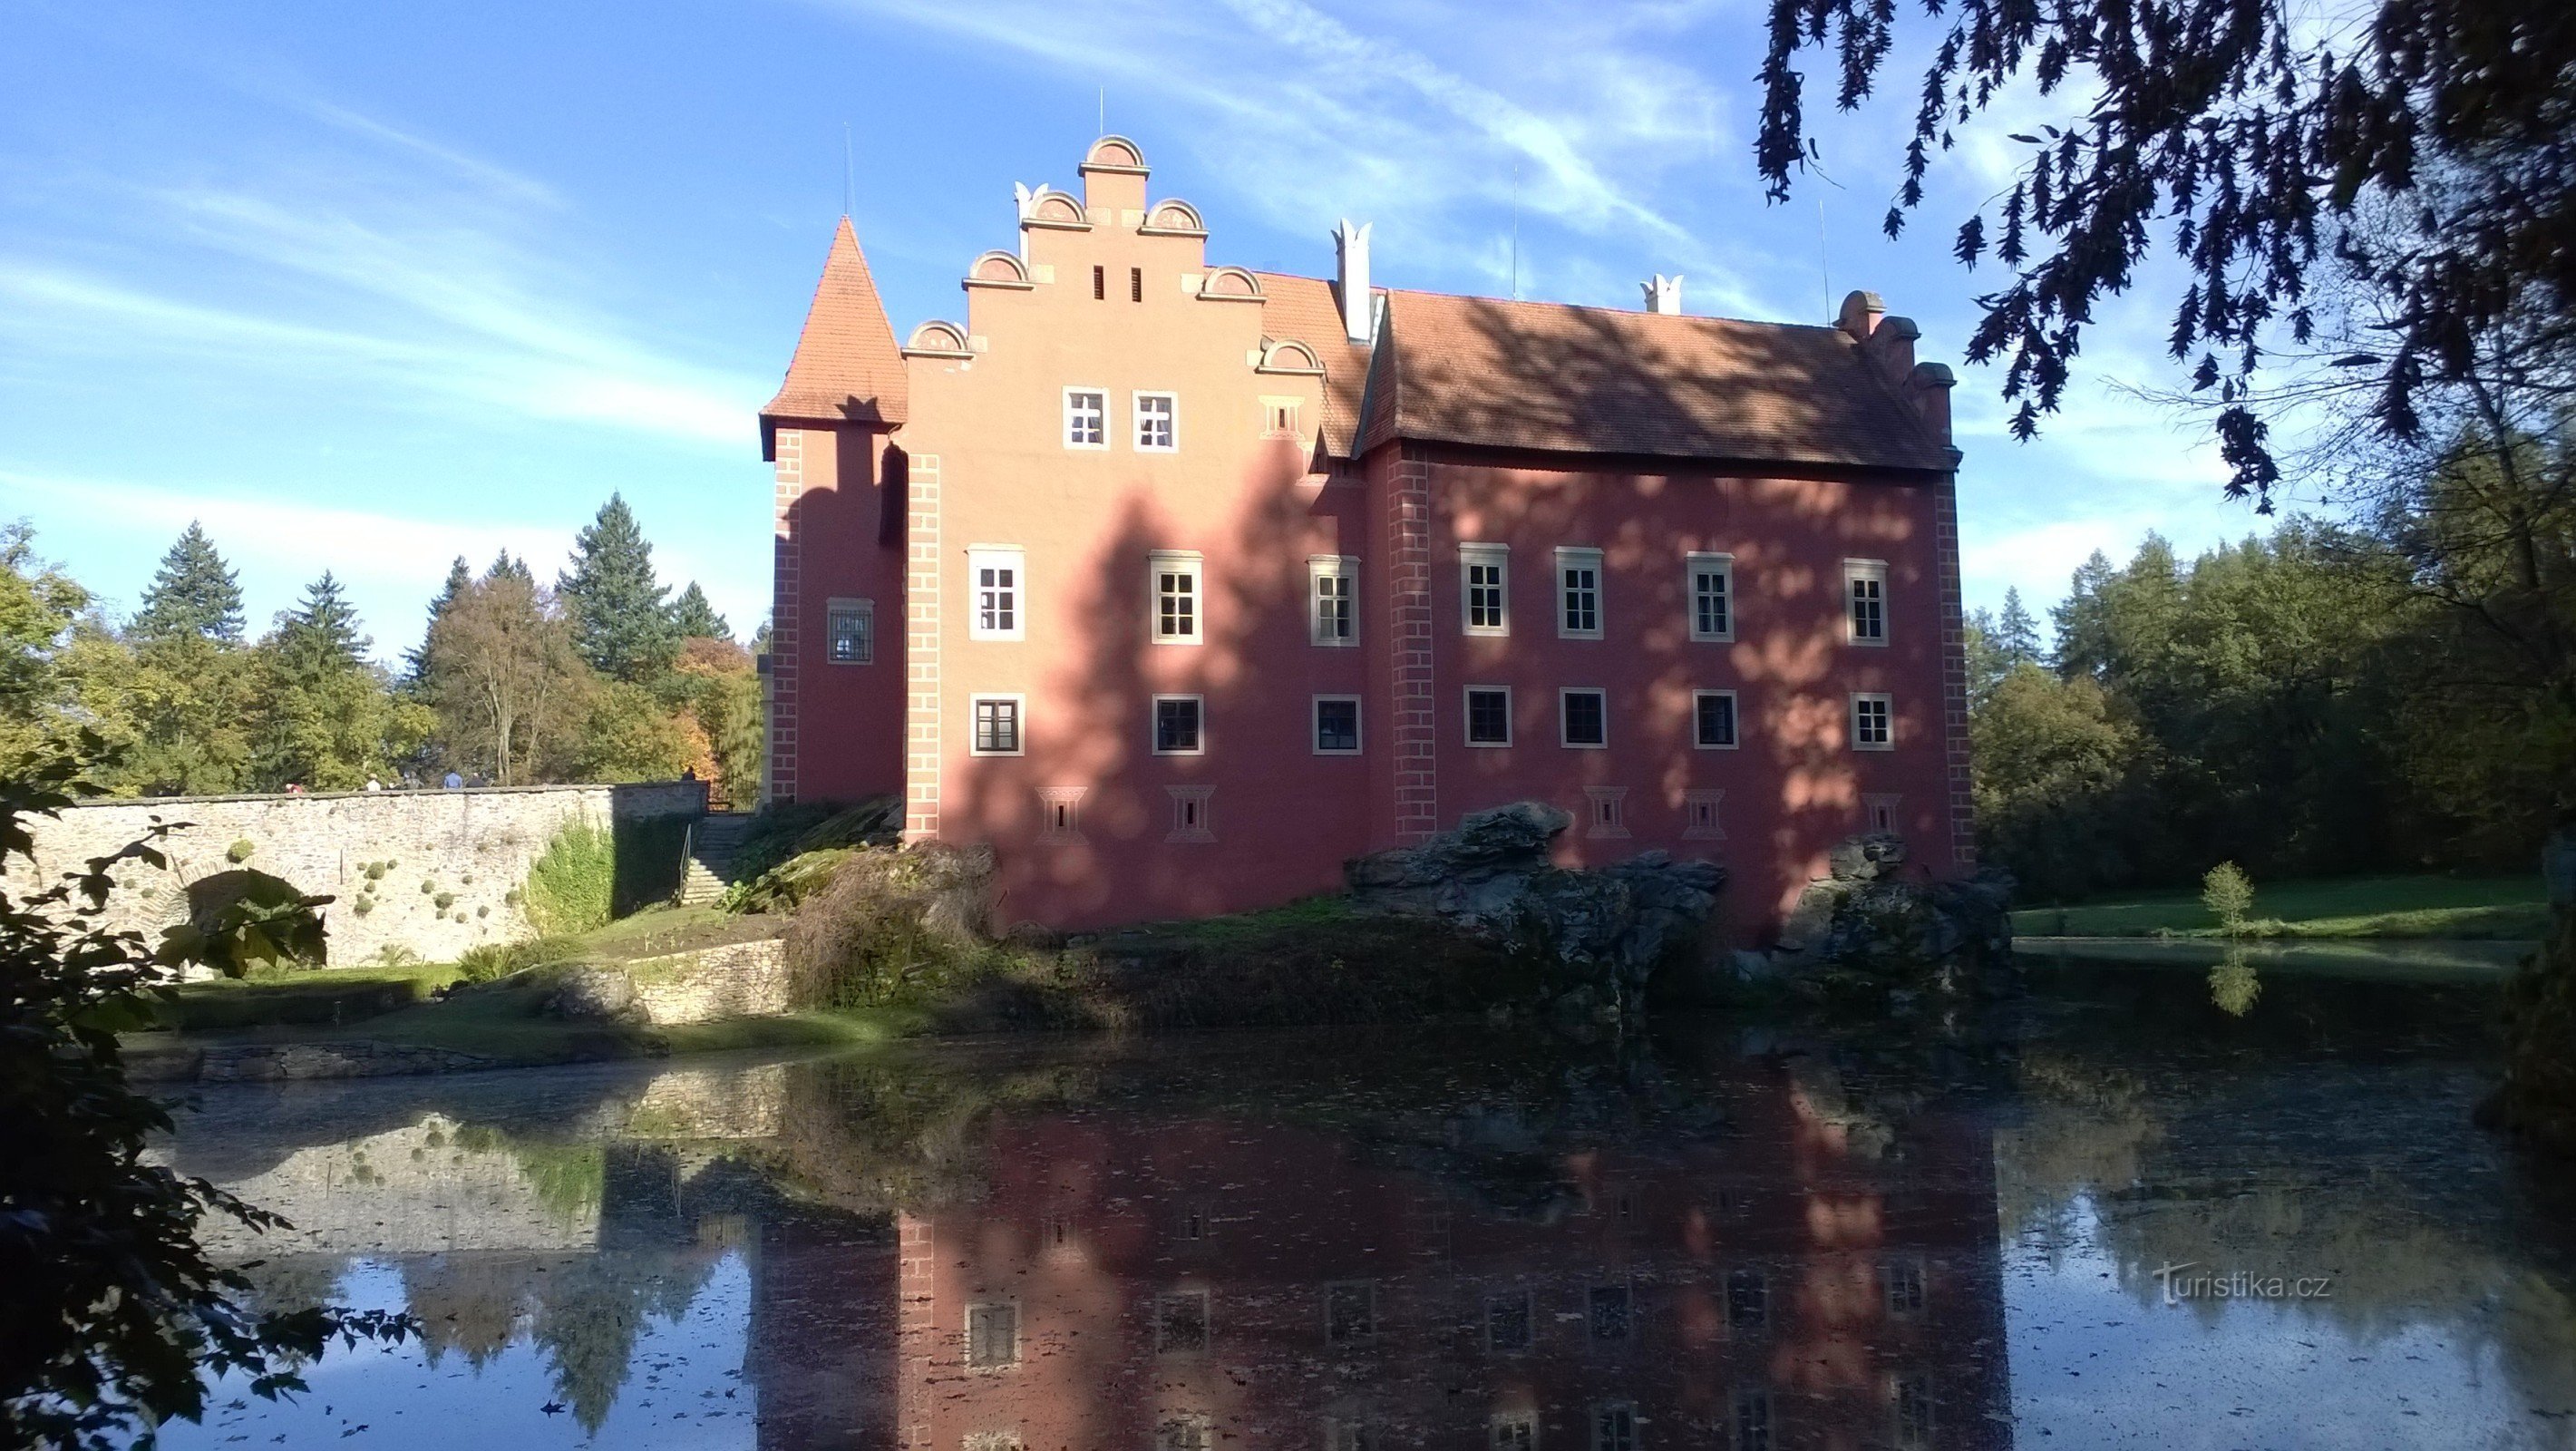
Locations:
570 887
2515 907
320 996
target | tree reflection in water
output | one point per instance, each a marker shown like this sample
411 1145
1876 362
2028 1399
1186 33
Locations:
1716 1237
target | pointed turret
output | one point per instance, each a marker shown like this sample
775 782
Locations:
846 368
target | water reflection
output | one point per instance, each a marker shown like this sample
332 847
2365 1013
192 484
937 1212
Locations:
1715 1238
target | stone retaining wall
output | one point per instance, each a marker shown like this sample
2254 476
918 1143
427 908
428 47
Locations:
473 845
739 980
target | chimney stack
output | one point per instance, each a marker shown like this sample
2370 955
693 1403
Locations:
1664 294
1359 305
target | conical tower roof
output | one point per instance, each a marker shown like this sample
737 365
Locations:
846 365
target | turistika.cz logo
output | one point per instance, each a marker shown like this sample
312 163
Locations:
2238 1285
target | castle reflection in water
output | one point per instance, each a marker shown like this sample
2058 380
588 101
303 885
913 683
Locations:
1259 1248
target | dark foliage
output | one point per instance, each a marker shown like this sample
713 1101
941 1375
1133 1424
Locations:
193 593
113 1315
2256 142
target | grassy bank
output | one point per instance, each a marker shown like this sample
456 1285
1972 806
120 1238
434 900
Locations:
2514 907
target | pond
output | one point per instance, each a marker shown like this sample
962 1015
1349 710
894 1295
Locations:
2164 1202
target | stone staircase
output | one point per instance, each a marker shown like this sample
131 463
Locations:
714 842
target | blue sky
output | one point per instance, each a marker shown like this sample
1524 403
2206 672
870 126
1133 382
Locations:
365 287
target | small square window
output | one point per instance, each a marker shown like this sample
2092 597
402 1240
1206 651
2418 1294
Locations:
1483 584
1173 575
1515 1431
1350 1312
1713 719
1606 809
997 725
1700 820
1748 1300
1610 1306
1578 574
1181 1322
1158 426
1176 725
1507 1323
850 631
1337 725
1710 580
993 578
1902 1280
1333 582
1584 716
992 1336
1489 716
1865 592
1086 418
1192 822
1873 725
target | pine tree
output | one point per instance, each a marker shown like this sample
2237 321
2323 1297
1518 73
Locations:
460 578
621 623
504 567
319 637
696 619
2016 634
193 593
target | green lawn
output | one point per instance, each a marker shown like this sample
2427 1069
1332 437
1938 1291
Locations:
2456 907
325 997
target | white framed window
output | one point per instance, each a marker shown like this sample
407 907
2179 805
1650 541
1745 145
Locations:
1865 601
1900 1280
1333 584
1605 812
1350 1312
994 575
1879 813
1192 818
1708 581
1060 813
992 1335
1700 820
1489 715
850 632
1614 1426
1750 1410
1484 588
1578 594
1173 578
1911 1406
996 725
1086 418
1713 720
1337 725
1158 422
1583 718
1513 1431
1181 1322
1873 723
1177 725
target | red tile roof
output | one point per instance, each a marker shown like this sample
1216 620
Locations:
846 364
1309 310
1549 377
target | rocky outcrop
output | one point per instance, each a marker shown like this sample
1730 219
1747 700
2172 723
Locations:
1600 934
1867 920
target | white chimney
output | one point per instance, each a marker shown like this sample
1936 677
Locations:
1359 306
1664 294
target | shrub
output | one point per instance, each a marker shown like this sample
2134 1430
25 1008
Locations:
239 851
486 961
572 887
892 926
443 901
2228 894
363 905
427 886
779 835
